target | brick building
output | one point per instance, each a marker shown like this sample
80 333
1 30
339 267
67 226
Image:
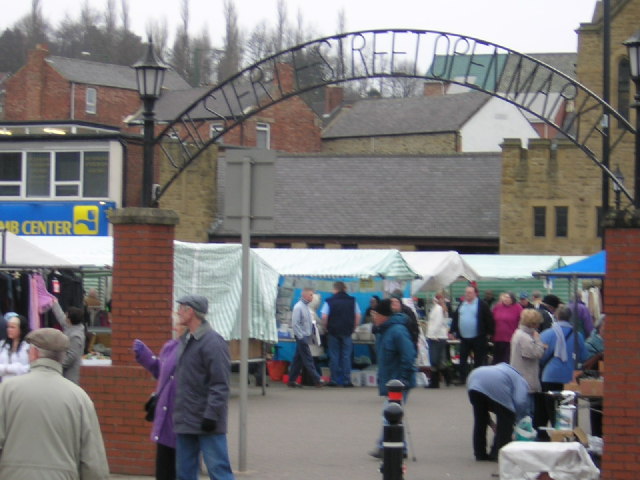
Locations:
551 191
51 88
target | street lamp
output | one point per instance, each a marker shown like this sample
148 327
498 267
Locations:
633 47
150 76
617 188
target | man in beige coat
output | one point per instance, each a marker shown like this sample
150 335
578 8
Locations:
49 429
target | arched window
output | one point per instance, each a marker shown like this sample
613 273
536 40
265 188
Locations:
624 85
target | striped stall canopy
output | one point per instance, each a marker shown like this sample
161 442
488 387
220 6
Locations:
337 264
215 272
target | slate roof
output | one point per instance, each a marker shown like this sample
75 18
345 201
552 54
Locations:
405 116
454 195
106 74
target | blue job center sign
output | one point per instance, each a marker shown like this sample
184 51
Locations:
56 218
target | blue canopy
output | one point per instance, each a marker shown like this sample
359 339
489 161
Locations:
591 267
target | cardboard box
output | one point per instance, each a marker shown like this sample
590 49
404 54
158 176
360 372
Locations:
255 349
577 435
591 387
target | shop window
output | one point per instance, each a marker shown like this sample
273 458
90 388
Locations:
624 85
349 246
214 130
263 135
91 101
315 245
54 174
562 221
539 221
10 174
283 245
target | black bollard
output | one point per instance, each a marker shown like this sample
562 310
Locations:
392 443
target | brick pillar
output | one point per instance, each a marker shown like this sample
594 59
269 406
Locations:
141 308
621 417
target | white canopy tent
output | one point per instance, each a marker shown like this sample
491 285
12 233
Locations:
365 263
18 252
438 269
79 251
515 266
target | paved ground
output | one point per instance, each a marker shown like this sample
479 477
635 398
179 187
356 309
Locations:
325 434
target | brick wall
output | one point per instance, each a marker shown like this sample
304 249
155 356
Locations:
622 399
539 176
142 306
393 145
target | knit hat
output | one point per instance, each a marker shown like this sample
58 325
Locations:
383 308
523 295
551 300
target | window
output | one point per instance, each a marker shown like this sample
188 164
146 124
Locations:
65 174
91 101
624 80
10 174
214 130
263 134
539 221
562 221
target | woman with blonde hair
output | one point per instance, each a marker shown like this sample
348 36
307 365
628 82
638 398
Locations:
527 349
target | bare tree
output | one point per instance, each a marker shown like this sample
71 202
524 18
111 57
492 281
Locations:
34 25
232 56
202 61
124 13
258 44
180 54
158 30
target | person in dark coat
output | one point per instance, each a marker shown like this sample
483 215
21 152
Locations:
340 316
396 354
473 324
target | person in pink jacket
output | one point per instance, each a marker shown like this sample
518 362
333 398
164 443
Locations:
506 314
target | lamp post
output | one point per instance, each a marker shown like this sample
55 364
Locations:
633 47
617 188
150 76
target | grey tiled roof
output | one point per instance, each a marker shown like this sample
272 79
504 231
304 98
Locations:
412 196
564 62
108 75
403 116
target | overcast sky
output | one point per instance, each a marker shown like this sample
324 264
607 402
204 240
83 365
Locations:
527 26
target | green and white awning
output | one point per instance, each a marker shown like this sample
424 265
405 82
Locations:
215 271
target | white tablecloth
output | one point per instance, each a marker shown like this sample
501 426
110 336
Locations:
562 460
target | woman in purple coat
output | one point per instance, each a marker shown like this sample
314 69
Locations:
162 368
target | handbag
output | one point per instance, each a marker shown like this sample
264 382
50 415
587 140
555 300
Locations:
150 407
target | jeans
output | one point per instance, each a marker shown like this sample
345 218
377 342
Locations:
340 349
214 452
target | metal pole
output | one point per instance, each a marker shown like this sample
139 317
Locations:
245 232
606 96
636 185
147 154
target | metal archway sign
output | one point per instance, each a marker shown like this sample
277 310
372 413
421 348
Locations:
514 77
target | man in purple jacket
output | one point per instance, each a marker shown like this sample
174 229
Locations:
202 394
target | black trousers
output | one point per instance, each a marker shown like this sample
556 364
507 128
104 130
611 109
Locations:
545 408
165 462
505 419
479 346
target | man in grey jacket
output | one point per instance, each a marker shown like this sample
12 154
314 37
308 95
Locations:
48 426
202 394
73 328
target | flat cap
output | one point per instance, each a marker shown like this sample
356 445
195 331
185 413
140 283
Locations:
197 302
48 339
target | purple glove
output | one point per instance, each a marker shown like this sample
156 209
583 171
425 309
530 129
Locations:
138 346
